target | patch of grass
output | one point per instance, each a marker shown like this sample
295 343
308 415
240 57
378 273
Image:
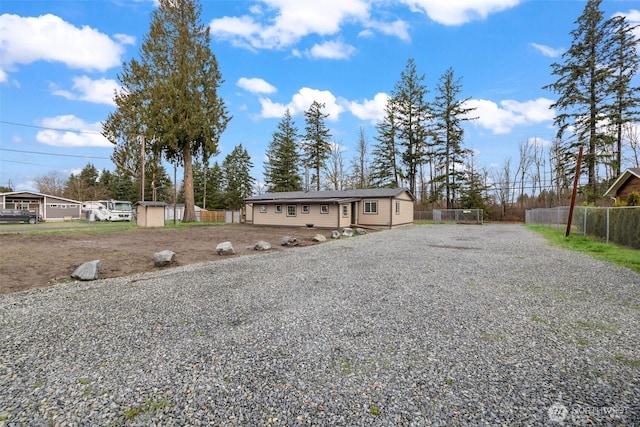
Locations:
615 254
600 327
83 381
449 381
491 337
635 363
374 410
150 406
538 319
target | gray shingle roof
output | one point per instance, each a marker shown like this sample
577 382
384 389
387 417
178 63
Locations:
336 195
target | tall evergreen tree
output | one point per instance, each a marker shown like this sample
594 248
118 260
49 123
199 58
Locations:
584 86
170 95
412 113
449 112
624 61
282 168
316 145
237 177
385 166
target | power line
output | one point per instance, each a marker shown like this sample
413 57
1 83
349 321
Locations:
48 128
55 154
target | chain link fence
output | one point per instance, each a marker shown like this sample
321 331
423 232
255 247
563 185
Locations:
619 225
459 216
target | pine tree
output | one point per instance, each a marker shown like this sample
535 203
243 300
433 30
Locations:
237 177
282 168
385 166
584 86
316 145
624 60
412 113
449 113
170 96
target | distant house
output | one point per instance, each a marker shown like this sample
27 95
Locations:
627 182
376 207
50 208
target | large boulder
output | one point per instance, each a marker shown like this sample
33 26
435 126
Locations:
347 231
335 234
289 241
163 258
319 238
225 248
87 271
360 231
262 246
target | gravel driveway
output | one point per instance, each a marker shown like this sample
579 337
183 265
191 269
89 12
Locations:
422 325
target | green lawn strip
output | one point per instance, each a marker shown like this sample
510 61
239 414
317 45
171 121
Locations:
91 227
610 252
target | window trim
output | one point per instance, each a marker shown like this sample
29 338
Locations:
278 209
305 209
345 211
369 204
263 208
397 208
324 209
295 210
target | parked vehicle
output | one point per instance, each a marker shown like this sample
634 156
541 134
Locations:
19 215
108 210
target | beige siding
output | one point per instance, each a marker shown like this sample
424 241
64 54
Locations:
405 216
380 219
248 209
315 217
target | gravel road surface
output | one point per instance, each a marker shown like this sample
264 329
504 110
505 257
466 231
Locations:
422 325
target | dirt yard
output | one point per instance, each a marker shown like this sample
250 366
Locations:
29 260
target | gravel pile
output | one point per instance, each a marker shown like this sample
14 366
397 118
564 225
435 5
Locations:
422 325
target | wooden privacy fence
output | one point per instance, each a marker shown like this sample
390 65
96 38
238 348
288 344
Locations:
220 215
212 216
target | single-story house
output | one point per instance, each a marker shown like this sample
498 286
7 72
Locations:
50 208
374 207
627 182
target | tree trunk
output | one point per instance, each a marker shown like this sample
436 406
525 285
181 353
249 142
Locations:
189 202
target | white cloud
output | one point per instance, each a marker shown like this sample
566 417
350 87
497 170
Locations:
456 12
399 29
255 85
301 101
100 91
547 51
49 38
370 109
283 23
331 50
501 119
74 132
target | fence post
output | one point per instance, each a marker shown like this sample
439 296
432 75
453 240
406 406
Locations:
607 225
584 222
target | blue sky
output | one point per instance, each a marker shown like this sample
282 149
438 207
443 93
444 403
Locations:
59 60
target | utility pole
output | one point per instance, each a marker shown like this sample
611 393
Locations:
576 179
142 152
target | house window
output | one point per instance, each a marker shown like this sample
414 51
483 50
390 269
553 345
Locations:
371 208
397 208
291 210
305 209
278 208
263 208
324 209
345 210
